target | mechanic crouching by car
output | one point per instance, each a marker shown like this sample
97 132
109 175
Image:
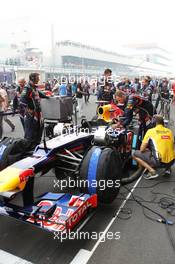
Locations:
157 149
135 103
30 100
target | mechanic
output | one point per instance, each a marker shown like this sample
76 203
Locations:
106 94
104 81
147 89
16 100
157 149
134 103
30 100
62 89
136 85
121 84
74 88
163 91
126 86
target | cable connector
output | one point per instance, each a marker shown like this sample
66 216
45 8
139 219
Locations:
168 222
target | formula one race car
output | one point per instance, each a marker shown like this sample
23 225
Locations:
97 160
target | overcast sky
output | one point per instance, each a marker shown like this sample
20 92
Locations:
106 24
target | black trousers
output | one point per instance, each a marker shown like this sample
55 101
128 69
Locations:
32 128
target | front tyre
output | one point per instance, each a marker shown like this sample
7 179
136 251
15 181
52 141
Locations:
100 173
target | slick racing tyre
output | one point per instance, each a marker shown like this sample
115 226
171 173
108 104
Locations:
100 173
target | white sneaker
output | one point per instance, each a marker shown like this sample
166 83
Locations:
151 175
168 172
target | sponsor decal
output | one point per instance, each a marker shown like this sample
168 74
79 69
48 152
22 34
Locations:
76 201
165 137
24 175
52 223
74 219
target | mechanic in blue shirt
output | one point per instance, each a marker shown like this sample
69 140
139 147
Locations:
74 88
62 89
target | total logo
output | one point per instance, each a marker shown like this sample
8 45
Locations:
78 214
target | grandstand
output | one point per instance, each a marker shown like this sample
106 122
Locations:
74 55
73 58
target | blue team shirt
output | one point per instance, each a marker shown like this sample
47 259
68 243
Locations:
63 90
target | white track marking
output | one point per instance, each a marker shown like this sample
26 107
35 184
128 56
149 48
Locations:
7 258
83 256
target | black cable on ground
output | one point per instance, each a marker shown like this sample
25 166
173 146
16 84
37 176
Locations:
167 203
161 220
146 207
